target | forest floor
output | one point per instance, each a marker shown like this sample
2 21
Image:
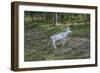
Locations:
38 47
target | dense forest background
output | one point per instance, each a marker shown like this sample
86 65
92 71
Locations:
39 26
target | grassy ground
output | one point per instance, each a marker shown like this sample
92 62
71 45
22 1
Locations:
38 45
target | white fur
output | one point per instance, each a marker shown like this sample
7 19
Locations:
61 36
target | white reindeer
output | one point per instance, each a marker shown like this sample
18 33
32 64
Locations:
61 36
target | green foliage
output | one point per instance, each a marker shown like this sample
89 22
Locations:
51 18
80 30
28 20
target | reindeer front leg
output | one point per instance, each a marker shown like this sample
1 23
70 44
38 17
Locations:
53 42
64 41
